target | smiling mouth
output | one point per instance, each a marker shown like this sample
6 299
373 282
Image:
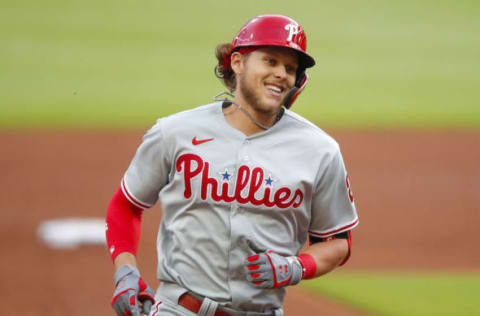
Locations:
275 89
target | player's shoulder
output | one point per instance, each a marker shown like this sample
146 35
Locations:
193 113
188 118
305 130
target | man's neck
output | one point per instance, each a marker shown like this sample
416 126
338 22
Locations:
249 123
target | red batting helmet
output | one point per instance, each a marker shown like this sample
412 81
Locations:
275 30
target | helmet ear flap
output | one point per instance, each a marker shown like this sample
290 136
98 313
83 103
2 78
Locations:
300 83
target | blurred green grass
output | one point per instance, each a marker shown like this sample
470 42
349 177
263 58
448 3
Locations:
121 64
403 294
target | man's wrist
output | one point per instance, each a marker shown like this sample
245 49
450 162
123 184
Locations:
309 266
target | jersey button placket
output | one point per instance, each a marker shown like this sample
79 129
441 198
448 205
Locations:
243 159
246 144
237 229
235 208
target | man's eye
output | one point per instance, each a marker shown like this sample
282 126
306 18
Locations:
290 70
271 61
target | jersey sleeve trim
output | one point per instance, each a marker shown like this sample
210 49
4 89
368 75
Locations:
336 231
131 198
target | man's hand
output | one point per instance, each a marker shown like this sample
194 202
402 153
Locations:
132 295
269 270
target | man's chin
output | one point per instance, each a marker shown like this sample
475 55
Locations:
272 107
268 109
267 106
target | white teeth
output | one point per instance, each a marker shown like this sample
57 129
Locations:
274 88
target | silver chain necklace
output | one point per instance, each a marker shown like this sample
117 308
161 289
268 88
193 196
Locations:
256 122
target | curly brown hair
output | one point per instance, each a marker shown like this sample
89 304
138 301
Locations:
226 75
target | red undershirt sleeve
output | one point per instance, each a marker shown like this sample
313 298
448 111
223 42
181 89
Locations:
123 225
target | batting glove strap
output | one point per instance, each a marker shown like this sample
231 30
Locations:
297 270
270 270
130 289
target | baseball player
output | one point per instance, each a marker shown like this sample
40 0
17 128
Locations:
243 182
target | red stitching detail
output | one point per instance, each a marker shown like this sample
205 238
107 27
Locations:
156 307
273 268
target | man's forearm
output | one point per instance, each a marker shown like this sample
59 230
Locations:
123 233
327 255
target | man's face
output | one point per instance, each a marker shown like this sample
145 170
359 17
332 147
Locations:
268 74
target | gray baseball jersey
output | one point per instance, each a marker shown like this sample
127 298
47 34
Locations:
219 189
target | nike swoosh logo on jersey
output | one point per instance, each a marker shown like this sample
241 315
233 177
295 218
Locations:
196 141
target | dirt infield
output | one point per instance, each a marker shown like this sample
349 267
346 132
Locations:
416 193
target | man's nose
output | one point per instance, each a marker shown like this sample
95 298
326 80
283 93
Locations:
280 72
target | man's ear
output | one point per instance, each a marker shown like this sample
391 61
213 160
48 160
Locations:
237 62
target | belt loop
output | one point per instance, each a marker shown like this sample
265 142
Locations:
208 308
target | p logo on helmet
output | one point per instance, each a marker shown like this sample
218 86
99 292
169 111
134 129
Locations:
292 31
